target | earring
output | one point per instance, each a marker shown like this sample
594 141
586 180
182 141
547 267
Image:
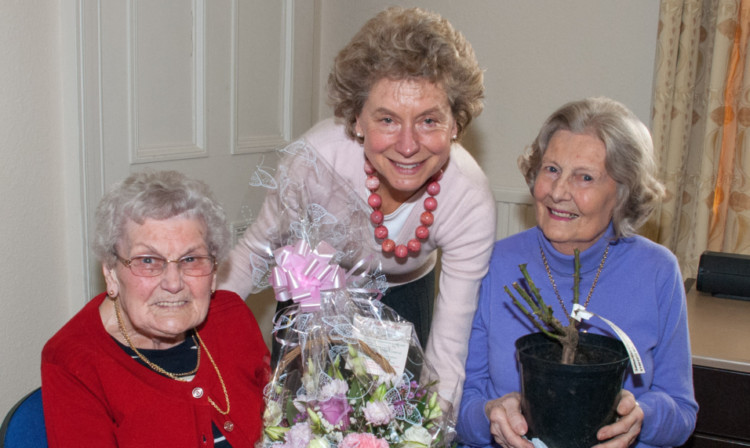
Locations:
359 135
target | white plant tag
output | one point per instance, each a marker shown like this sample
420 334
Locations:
390 339
579 312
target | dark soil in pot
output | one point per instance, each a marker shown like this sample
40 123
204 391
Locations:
565 405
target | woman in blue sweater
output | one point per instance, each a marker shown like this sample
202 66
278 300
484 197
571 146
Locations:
591 173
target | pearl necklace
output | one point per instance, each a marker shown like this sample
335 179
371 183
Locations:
177 376
381 232
554 286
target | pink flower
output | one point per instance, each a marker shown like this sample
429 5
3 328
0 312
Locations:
360 440
336 410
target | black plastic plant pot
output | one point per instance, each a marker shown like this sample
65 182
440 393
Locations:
565 405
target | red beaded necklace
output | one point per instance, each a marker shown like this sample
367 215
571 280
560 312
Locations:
381 232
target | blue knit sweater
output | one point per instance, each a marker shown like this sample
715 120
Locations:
640 289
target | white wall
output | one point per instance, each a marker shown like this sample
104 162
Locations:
38 246
537 54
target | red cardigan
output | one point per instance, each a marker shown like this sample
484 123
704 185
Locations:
94 394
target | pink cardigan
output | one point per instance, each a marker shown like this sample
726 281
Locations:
94 394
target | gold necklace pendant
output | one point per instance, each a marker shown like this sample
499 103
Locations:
554 285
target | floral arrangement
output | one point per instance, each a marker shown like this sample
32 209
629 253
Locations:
353 409
352 374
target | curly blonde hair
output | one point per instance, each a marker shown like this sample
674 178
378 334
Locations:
400 44
629 160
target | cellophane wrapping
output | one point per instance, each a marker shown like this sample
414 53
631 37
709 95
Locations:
308 201
351 372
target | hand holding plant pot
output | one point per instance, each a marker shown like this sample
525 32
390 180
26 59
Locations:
628 426
507 424
591 172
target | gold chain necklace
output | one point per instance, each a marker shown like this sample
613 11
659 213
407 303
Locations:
176 376
221 380
554 286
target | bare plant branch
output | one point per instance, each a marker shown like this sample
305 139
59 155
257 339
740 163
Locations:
541 314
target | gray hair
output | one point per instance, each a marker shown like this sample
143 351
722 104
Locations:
158 195
629 159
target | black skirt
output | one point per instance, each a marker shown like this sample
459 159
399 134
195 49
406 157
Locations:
414 302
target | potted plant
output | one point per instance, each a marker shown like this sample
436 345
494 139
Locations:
569 380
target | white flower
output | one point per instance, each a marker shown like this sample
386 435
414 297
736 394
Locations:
298 436
378 412
333 389
416 436
308 382
391 380
319 442
272 415
337 436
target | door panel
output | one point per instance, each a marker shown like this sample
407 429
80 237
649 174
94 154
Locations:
206 87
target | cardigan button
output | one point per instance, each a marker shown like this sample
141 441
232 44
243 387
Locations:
228 426
197 392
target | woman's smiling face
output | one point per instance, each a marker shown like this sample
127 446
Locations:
162 308
574 195
407 127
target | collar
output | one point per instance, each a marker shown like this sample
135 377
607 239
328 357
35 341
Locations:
562 264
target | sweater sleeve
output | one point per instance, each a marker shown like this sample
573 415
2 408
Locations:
245 270
249 259
466 247
473 426
669 405
74 415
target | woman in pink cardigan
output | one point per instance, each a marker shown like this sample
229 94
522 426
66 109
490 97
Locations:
391 165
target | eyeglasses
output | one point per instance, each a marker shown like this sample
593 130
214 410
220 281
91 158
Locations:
152 266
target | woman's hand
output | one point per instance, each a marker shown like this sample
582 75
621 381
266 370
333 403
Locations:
507 424
623 432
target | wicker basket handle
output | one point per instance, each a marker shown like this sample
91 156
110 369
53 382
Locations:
379 359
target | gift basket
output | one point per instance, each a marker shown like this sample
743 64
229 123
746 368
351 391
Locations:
351 372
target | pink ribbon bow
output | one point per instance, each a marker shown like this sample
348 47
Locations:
302 272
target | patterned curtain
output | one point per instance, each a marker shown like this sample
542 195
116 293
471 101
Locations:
700 127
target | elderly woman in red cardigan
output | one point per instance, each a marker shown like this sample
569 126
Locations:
160 358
